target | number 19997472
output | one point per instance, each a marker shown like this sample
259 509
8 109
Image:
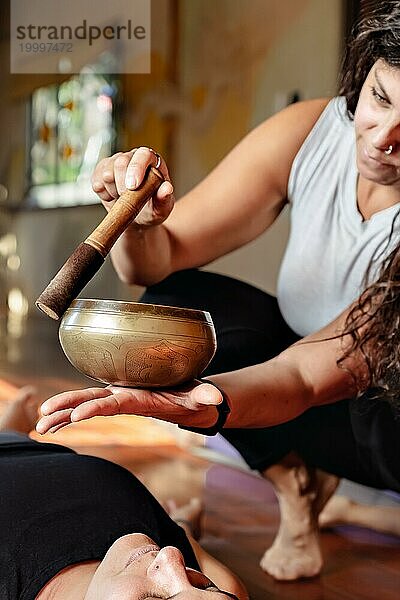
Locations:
46 47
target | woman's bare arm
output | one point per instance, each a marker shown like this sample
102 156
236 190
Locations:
306 374
270 393
234 204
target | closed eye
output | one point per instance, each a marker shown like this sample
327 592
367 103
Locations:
378 97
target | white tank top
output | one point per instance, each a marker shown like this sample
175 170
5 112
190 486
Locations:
330 246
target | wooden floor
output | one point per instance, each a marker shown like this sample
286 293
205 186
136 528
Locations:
241 516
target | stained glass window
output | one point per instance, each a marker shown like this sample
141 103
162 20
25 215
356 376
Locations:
72 128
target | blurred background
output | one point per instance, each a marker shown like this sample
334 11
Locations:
218 68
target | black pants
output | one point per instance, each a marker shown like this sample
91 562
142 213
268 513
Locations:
358 439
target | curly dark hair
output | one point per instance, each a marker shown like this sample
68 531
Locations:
376 36
374 327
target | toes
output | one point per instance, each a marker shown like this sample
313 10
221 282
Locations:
272 566
286 568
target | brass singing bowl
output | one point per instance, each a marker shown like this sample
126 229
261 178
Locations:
137 345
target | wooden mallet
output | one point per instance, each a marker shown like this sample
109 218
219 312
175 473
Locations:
88 257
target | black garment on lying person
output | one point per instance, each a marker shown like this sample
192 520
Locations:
58 508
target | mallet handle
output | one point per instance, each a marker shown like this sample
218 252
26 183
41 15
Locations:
124 211
88 257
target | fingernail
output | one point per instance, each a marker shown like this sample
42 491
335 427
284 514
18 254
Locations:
131 182
207 401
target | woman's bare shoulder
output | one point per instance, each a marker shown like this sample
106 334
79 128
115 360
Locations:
297 120
313 107
282 135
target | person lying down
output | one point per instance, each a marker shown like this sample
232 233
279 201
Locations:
76 527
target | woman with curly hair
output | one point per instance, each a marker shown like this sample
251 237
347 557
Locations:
310 393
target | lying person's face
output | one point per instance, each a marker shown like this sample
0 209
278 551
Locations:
377 125
135 568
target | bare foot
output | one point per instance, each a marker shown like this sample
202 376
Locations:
189 516
345 511
336 512
290 557
21 413
302 493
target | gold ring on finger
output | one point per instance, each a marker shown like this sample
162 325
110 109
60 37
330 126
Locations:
158 163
